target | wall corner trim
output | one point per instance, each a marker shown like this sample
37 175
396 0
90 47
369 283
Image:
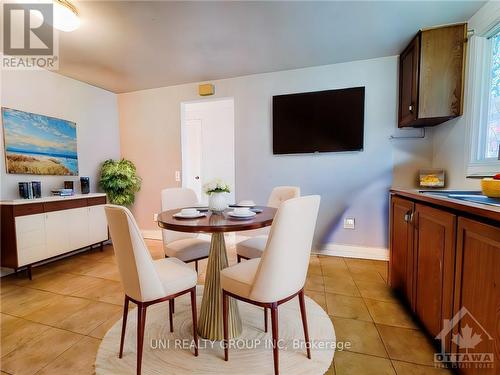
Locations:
353 251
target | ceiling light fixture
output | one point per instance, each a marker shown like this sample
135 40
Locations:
65 16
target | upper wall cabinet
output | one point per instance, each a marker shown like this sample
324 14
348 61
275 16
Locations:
431 77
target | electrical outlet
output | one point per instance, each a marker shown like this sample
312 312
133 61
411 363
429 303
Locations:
349 223
177 176
155 217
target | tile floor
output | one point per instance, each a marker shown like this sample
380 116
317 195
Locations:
54 324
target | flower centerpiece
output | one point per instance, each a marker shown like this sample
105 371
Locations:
217 192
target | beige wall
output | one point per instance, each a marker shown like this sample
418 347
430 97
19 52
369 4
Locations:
93 110
352 183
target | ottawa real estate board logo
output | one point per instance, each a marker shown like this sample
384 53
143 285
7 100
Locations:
472 347
29 39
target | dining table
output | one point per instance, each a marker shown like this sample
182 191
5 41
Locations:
210 324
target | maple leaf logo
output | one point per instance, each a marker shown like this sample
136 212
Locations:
466 339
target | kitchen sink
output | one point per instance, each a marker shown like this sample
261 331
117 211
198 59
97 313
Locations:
468 196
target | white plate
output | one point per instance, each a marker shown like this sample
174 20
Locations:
178 215
246 204
242 216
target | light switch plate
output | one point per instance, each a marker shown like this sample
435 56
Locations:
177 176
349 223
155 217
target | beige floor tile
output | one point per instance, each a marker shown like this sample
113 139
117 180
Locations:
74 264
318 297
17 331
58 310
315 283
363 336
102 290
390 313
6 288
39 352
89 318
407 345
341 284
25 301
404 368
331 266
79 359
347 307
347 363
314 269
377 291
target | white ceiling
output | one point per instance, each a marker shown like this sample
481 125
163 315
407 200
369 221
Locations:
127 46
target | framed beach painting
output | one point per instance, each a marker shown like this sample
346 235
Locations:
37 144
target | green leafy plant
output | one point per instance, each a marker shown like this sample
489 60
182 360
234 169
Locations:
120 181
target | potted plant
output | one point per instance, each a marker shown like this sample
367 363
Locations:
120 181
217 195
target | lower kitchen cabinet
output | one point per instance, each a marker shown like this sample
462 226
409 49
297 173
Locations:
434 266
451 258
477 289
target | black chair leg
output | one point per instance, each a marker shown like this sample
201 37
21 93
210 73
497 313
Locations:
141 324
170 314
193 313
265 319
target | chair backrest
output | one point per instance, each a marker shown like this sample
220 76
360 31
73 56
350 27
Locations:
137 272
173 198
281 194
283 266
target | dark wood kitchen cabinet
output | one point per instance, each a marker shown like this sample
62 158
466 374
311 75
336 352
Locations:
401 258
452 275
477 288
431 76
434 266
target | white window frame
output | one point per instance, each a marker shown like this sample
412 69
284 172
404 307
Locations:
478 97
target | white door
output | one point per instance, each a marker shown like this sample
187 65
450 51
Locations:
30 236
208 144
57 233
98 224
191 156
78 227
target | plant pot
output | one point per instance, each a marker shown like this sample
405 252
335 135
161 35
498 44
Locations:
217 202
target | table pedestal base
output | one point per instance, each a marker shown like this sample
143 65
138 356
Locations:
210 325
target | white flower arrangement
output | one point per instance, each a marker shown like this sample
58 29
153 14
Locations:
216 186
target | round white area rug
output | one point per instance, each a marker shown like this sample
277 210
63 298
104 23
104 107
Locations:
251 353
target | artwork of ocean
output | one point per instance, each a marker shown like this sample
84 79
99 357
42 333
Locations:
37 144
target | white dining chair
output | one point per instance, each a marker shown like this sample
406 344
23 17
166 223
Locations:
269 281
254 246
146 281
187 247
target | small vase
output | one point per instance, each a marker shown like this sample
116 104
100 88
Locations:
217 202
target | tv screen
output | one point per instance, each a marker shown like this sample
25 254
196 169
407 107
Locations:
322 121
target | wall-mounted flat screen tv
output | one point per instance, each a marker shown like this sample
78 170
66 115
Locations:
322 121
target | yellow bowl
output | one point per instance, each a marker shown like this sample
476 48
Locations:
490 187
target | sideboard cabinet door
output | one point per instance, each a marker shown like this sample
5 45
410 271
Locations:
30 236
78 226
57 232
98 224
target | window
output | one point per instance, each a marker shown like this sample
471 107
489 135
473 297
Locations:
483 115
492 133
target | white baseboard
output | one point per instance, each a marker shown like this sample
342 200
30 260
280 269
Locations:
353 251
154 234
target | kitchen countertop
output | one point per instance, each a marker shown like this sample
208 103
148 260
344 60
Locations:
460 206
53 198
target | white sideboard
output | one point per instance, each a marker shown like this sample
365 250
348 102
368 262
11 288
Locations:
40 229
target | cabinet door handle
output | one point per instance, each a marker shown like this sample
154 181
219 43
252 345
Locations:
410 108
409 217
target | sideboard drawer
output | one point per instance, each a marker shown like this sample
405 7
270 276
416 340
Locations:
64 205
96 201
27 209
30 236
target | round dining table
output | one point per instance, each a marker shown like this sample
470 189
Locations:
210 325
